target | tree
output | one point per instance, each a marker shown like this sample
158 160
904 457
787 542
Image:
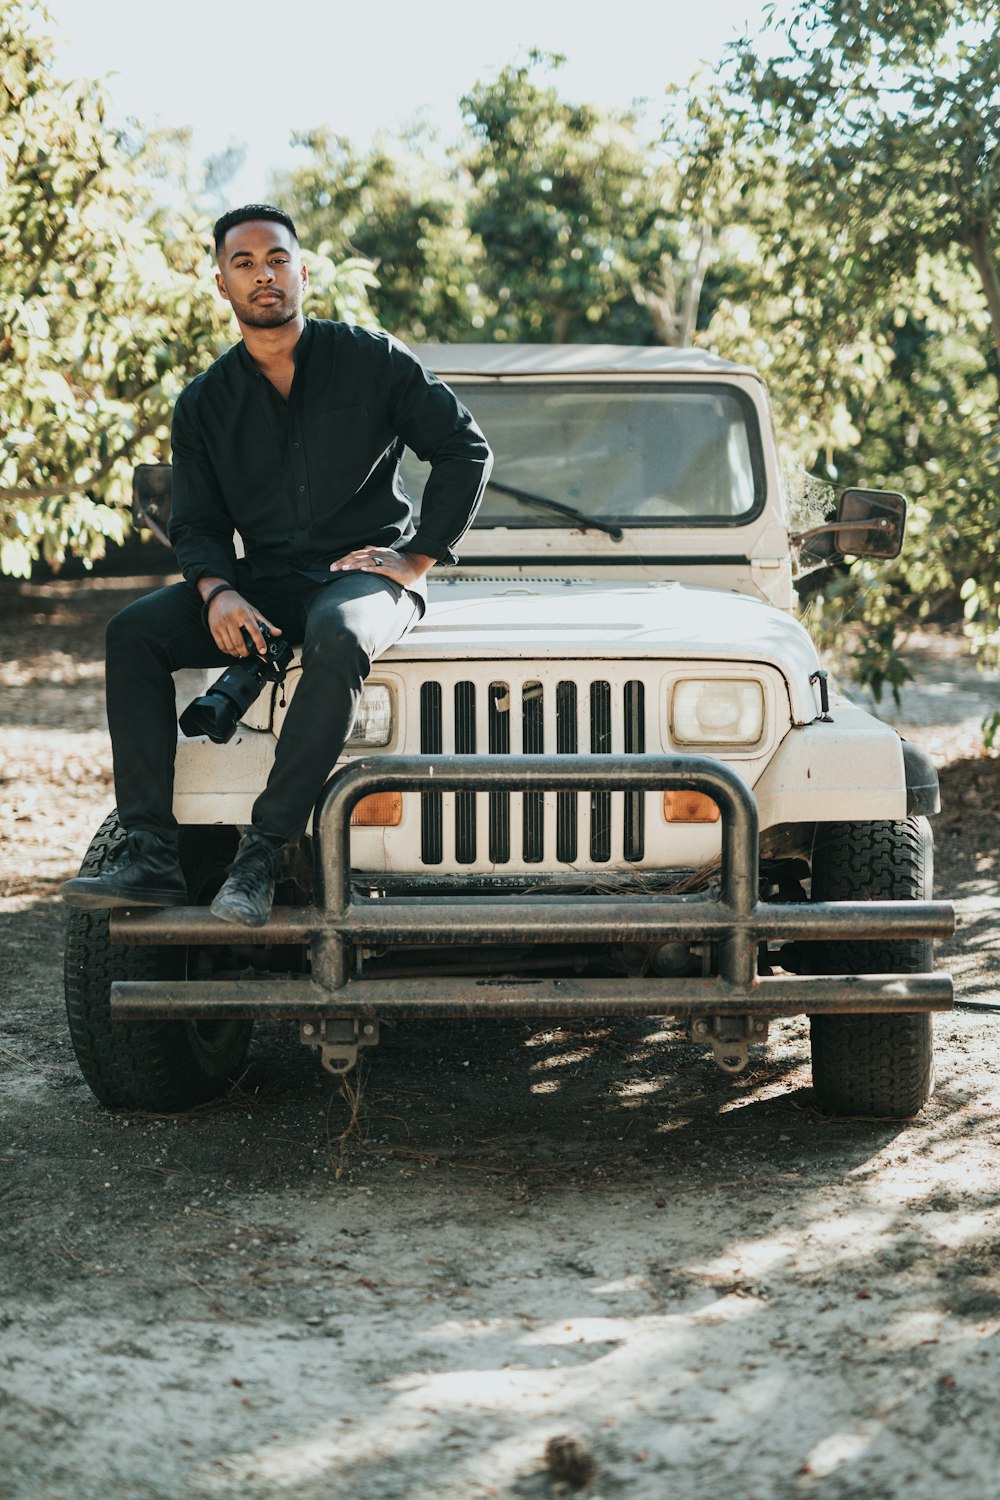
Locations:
551 220
864 159
891 113
107 307
572 210
406 215
788 298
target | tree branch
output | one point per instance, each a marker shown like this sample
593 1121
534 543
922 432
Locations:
45 492
47 249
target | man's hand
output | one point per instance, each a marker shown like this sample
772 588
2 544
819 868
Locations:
402 567
227 613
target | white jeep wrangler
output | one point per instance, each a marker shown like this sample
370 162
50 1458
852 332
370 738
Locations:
605 776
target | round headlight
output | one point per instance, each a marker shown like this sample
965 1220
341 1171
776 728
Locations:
717 711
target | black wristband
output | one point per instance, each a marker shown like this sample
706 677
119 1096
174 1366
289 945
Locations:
220 588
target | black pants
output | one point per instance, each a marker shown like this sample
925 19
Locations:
342 624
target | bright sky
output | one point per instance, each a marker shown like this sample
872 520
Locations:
256 72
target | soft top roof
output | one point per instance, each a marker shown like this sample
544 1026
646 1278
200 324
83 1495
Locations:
572 359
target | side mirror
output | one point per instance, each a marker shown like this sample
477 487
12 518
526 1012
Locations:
870 523
151 499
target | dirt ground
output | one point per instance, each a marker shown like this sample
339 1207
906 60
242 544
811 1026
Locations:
525 1233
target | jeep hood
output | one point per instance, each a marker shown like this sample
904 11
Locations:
531 619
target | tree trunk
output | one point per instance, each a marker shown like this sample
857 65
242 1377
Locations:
673 304
695 282
560 324
982 254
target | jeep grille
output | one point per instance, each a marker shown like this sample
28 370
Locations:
568 716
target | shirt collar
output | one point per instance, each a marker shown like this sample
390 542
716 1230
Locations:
299 353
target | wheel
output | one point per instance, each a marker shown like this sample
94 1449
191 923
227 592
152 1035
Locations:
151 1065
877 1064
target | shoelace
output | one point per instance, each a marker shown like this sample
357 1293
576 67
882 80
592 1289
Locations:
249 871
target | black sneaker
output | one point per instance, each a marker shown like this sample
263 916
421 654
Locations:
248 892
145 872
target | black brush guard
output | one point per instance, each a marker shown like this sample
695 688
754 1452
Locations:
738 922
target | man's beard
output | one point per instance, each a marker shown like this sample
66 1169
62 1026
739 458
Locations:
275 316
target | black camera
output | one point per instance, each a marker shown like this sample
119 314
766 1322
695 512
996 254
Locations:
217 712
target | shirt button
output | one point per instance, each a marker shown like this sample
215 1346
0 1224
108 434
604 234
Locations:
301 488
296 445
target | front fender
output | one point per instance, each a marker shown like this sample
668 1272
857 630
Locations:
848 770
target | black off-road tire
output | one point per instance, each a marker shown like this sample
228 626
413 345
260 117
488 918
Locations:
162 1066
873 1066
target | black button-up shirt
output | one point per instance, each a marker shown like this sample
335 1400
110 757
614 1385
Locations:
307 480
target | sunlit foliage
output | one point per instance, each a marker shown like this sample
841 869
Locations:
107 306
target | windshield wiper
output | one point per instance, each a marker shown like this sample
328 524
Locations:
586 523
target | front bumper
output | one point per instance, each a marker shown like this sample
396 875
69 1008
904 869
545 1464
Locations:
737 921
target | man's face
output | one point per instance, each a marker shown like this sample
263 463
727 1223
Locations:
261 274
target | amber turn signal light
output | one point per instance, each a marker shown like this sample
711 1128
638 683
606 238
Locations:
689 807
380 810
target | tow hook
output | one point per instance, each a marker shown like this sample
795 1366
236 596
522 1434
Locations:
729 1038
339 1040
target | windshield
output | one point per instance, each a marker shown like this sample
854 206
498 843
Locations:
639 454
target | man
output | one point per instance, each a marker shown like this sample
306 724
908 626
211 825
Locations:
292 438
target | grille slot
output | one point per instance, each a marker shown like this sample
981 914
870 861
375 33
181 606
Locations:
465 744
567 743
534 717
499 744
600 744
533 743
431 740
635 744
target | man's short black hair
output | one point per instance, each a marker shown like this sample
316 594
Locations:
246 215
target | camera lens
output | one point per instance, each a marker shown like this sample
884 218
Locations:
217 712
210 716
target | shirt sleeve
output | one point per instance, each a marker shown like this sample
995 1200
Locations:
200 529
431 420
